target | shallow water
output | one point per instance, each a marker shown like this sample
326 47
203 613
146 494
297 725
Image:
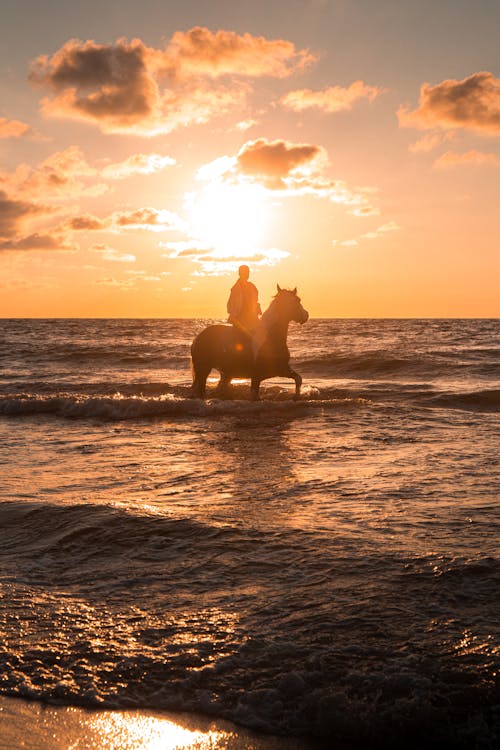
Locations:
326 568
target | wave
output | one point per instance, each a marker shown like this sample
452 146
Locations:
284 631
373 364
156 400
484 400
119 406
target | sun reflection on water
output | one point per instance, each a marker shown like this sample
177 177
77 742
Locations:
127 732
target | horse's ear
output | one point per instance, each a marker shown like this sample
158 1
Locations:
278 287
295 290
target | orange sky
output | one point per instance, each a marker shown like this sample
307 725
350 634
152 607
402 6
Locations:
347 148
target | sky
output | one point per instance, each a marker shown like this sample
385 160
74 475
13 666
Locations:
349 148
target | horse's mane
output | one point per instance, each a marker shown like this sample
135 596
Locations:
269 318
269 315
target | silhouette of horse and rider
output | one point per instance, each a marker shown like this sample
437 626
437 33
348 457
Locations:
254 346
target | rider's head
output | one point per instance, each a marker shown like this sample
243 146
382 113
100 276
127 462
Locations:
244 272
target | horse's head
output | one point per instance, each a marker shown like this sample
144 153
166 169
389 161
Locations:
289 305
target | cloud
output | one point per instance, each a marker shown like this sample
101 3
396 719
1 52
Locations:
430 141
215 265
15 213
130 87
200 51
333 99
38 241
246 124
147 277
389 226
112 282
150 219
145 219
58 177
185 249
86 223
145 164
288 169
473 103
214 262
110 84
109 253
275 160
13 128
472 158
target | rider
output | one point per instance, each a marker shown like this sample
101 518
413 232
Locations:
243 303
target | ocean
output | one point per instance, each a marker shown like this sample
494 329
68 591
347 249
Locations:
326 568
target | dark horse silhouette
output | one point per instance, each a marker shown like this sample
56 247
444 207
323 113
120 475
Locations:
236 355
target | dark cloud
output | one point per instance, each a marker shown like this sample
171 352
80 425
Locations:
86 223
275 160
127 86
102 82
472 103
38 242
14 213
152 219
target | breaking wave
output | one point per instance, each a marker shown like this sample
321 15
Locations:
149 401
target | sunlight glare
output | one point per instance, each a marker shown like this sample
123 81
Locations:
230 218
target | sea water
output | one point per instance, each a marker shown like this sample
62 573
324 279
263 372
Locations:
325 568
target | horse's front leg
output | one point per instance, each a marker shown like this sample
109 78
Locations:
223 385
255 385
298 383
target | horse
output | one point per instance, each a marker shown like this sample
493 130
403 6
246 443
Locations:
237 355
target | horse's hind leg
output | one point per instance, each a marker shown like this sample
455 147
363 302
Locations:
199 382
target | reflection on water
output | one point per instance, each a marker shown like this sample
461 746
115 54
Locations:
257 461
128 732
27 724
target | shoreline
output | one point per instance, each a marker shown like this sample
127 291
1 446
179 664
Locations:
39 726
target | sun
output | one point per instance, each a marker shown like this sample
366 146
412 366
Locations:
231 219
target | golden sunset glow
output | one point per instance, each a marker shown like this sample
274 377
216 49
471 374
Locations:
143 155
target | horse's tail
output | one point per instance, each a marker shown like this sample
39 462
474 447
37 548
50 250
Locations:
198 382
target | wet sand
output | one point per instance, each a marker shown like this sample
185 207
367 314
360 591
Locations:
36 726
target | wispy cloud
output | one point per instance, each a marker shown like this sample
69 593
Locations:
122 285
149 219
430 141
213 262
467 158
143 164
111 254
13 128
472 103
380 231
332 99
